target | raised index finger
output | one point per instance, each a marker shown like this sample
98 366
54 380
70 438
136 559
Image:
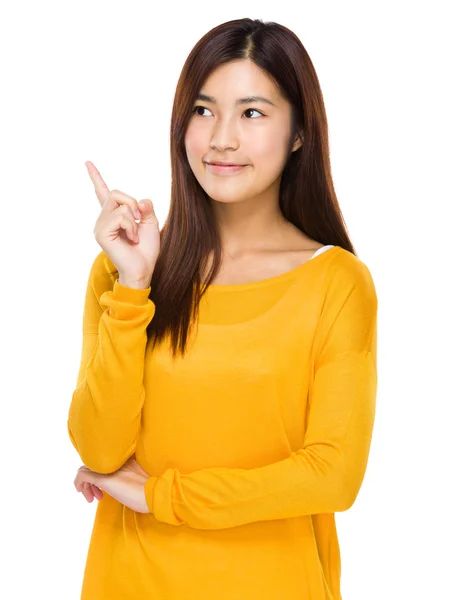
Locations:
101 189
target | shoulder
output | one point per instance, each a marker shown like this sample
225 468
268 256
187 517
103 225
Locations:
348 268
347 274
102 276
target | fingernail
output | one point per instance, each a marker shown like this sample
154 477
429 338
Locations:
137 214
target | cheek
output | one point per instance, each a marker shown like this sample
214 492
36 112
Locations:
194 144
268 148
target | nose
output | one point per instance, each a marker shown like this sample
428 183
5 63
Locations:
224 137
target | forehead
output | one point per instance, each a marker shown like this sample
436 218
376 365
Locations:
238 79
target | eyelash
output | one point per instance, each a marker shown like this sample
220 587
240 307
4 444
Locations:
252 119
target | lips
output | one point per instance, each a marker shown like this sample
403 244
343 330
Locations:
224 164
221 169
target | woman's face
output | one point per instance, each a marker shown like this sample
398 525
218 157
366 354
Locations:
254 133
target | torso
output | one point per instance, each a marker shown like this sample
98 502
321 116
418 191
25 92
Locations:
263 265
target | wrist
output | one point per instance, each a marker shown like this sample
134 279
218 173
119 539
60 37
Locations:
138 284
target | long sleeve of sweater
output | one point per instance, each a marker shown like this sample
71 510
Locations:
105 411
323 476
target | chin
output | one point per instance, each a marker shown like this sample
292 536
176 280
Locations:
224 195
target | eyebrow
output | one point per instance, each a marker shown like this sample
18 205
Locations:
248 100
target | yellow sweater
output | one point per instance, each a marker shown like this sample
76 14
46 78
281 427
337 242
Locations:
253 440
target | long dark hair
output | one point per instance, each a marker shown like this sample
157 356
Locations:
307 197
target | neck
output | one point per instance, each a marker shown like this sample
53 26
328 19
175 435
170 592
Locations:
249 226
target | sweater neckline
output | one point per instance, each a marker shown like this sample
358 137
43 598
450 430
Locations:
239 287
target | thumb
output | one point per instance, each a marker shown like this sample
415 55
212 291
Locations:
147 211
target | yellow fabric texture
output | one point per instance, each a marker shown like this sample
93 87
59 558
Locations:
253 440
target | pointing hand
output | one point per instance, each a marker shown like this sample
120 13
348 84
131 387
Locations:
132 247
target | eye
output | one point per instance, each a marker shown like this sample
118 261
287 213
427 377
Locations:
198 106
254 110
247 110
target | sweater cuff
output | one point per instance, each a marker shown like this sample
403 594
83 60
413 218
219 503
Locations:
158 499
130 295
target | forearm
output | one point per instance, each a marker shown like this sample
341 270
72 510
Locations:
106 406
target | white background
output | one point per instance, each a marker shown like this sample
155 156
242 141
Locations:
95 81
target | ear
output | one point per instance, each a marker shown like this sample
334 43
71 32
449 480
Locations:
298 142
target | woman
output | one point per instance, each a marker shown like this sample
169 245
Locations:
226 394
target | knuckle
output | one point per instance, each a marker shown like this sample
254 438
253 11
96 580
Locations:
121 210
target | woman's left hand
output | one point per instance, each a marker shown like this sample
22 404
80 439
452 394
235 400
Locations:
126 485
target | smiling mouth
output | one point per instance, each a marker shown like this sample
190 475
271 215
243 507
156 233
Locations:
224 169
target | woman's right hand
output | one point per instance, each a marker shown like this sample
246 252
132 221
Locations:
132 248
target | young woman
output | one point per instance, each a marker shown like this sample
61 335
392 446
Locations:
226 394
